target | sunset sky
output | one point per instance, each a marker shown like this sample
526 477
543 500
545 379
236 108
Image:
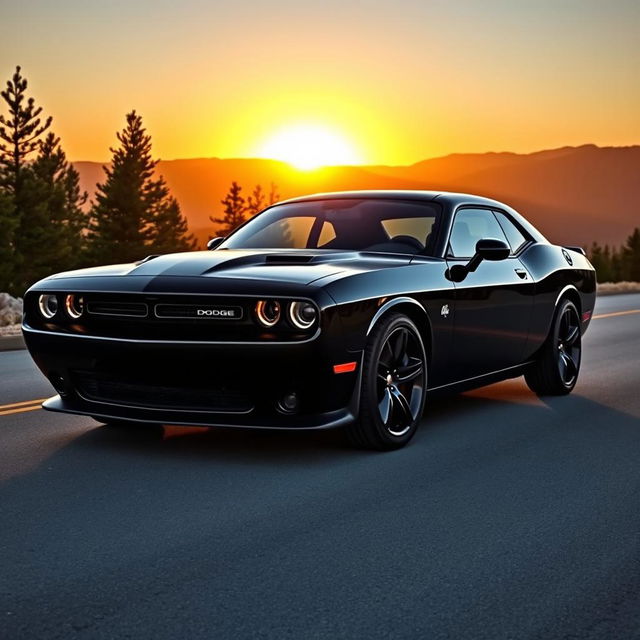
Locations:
394 82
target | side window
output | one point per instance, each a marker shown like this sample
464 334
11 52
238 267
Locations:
327 234
469 226
514 235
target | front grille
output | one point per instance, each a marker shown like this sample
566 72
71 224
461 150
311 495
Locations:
125 309
223 399
166 317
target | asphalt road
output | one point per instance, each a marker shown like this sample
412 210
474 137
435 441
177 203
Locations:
507 517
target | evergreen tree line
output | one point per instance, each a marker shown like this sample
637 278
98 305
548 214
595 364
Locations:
237 209
617 264
45 226
48 225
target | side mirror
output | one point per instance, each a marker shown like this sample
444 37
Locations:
490 249
214 242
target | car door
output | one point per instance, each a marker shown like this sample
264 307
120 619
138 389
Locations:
493 303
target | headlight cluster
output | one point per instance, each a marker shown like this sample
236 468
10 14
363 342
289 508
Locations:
49 305
301 314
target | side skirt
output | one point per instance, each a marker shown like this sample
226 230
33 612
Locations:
480 381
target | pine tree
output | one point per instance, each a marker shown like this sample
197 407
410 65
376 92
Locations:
234 210
601 260
256 201
7 229
132 202
617 266
631 256
274 196
20 133
169 229
50 236
77 218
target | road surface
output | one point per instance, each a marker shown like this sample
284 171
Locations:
507 517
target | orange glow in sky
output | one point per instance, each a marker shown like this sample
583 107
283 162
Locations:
388 82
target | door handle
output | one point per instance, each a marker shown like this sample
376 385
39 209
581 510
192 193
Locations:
522 274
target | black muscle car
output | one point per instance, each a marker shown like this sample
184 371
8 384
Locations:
333 310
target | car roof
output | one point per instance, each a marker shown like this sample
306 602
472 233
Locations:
449 198
397 194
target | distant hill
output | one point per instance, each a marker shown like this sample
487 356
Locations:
574 195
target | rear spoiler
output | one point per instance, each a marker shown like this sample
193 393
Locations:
578 249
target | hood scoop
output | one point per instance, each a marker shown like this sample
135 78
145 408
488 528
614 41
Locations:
272 260
288 258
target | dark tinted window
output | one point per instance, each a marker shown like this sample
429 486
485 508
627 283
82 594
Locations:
514 235
469 226
392 226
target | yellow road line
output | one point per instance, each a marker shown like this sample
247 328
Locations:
22 410
616 313
20 404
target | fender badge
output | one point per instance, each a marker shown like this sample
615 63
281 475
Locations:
567 257
444 312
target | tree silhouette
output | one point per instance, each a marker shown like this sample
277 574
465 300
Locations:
274 196
50 236
169 231
600 258
234 210
134 214
256 201
8 224
631 252
614 265
20 133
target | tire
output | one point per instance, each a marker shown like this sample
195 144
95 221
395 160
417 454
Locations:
557 367
394 385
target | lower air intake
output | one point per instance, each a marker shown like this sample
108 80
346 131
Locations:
104 389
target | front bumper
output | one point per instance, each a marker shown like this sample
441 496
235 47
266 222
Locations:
197 384
108 412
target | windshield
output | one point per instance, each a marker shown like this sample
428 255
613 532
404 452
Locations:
392 226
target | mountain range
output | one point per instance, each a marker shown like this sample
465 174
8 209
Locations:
574 195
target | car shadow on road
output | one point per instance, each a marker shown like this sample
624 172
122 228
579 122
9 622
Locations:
494 411
486 418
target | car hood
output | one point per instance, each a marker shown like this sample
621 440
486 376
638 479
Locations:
296 266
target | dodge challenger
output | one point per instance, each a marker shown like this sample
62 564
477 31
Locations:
333 310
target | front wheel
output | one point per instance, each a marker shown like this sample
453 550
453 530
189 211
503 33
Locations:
394 385
556 369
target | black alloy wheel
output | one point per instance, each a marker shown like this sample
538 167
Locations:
569 346
394 385
556 369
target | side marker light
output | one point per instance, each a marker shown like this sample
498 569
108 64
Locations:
346 367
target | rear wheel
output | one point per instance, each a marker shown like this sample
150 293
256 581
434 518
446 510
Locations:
394 383
556 370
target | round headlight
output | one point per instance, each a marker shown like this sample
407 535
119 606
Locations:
48 304
302 314
268 312
74 305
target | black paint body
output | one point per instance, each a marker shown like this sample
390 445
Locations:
213 371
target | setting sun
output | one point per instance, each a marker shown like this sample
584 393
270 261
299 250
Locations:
309 147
